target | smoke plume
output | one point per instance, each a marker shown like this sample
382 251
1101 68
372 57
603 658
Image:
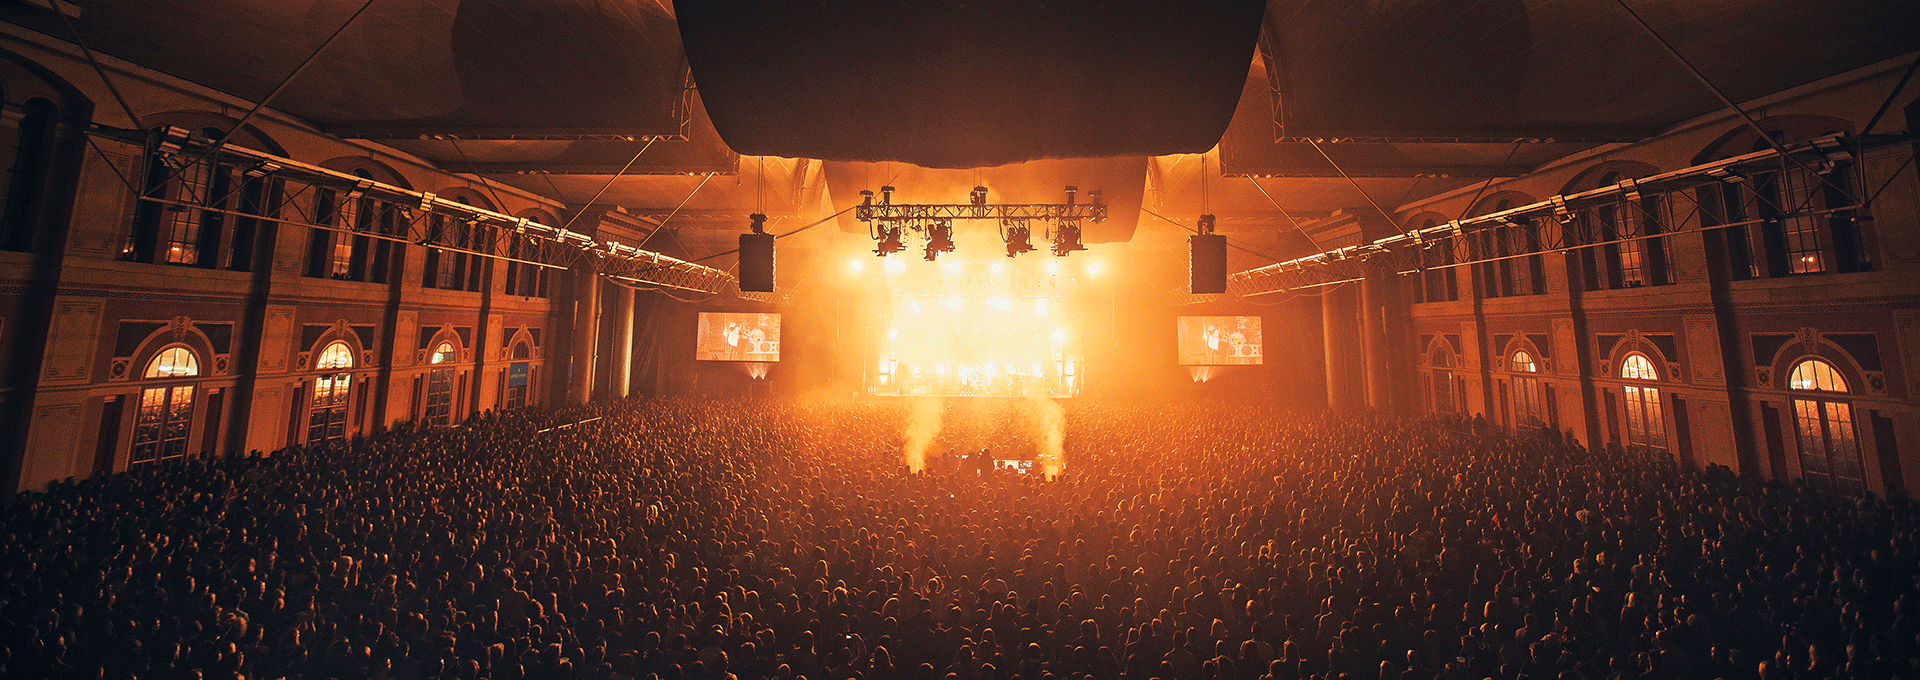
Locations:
923 424
1049 434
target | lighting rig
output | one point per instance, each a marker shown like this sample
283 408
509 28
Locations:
889 221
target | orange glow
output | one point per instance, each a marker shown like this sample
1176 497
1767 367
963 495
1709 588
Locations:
975 323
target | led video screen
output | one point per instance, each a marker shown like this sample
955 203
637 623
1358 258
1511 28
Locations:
733 336
1219 340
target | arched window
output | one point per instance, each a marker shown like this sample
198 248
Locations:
1528 408
327 417
440 385
173 362
1646 426
1442 359
165 419
1829 453
519 374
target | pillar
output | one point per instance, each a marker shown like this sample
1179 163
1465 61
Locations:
1382 329
586 332
622 320
1340 324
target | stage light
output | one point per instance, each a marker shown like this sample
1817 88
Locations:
953 303
1066 239
1059 336
1053 267
893 334
999 267
856 266
896 266
1001 304
889 241
1040 307
1093 268
951 266
914 306
939 239
1019 239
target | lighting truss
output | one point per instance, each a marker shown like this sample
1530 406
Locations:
889 219
1636 209
404 215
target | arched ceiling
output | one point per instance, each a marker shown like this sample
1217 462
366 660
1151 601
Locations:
1411 97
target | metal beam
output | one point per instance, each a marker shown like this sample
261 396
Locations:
1562 223
407 215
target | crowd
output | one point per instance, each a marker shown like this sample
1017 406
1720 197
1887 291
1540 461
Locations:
688 540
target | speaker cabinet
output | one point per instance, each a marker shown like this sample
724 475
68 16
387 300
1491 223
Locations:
1207 263
756 263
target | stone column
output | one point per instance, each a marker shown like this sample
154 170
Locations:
586 332
1340 324
1382 328
621 318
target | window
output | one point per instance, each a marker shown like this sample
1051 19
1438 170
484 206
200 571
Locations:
1442 359
27 177
186 221
1523 274
443 266
186 230
1829 453
327 417
1646 426
1805 226
518 374
1528 408
341 252
1634 258
165 419
440 386
1792 191
182 225
1725 204
1440 284
511 286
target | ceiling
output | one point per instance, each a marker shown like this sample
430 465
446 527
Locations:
1410 97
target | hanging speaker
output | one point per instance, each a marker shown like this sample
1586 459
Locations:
756 263
1207 263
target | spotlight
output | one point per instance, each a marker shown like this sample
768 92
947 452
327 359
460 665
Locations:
889 241
1066 239
939 239
1019 239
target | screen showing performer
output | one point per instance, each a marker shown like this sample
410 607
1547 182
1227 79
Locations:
1219 340
735 336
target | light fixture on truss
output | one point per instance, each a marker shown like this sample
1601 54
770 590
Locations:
1019 238
1066 239
890 242
939 239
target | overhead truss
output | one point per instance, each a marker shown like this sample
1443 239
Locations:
1634 209
404 215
